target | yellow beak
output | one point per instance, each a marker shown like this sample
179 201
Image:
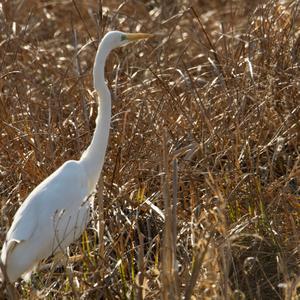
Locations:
137 36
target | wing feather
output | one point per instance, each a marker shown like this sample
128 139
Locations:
65 188
32 233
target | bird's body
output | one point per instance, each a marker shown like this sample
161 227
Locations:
65 220
56 212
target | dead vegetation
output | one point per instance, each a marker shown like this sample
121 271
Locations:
200 190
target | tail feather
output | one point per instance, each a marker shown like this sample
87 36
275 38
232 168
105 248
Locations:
2 270
26 276
1 276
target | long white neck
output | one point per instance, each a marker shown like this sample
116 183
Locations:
93 157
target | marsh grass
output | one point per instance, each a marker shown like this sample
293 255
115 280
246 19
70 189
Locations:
199 196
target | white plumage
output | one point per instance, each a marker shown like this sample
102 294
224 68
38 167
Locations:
44 226
57 211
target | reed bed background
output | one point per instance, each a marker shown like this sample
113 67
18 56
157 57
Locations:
199 196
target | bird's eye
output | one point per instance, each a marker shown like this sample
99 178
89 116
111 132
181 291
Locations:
123 37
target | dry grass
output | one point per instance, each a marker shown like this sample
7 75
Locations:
200 191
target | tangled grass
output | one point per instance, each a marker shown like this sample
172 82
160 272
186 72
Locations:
199 196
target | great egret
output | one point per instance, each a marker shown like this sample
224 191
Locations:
56 212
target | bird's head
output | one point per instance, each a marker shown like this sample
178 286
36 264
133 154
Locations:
117 38
111 40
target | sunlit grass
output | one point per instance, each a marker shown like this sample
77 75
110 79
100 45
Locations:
200 189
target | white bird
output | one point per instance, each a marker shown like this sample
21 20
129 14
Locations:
56 212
